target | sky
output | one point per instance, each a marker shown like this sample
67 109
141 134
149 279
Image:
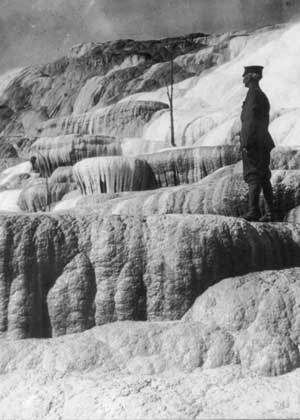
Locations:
38 31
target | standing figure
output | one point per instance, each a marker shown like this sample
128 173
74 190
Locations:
256 146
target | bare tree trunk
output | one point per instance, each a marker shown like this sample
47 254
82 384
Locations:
171 105
170 94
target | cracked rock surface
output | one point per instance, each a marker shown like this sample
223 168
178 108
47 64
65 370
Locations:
124 268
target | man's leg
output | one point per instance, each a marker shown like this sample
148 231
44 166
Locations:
268 196
253 214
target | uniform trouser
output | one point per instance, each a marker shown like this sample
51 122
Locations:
254 193
257 175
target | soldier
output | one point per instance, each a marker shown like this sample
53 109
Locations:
256 145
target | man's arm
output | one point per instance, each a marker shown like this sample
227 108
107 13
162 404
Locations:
250 121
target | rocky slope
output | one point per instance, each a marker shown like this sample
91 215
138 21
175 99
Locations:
126 257
93 74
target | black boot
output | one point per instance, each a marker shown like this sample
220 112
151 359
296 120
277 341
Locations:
253 214
268 198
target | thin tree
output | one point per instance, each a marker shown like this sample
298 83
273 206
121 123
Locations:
170 95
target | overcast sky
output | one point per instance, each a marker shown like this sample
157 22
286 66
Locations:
37 31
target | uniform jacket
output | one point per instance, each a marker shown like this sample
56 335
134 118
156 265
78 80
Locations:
256 141
255 121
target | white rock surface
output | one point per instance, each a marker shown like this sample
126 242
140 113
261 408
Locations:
8 174
202 114
9 200
80 377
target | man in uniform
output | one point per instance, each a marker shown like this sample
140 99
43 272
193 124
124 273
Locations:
256 145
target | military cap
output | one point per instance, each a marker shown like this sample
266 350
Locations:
253 69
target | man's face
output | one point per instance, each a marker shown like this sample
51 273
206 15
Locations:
246 79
